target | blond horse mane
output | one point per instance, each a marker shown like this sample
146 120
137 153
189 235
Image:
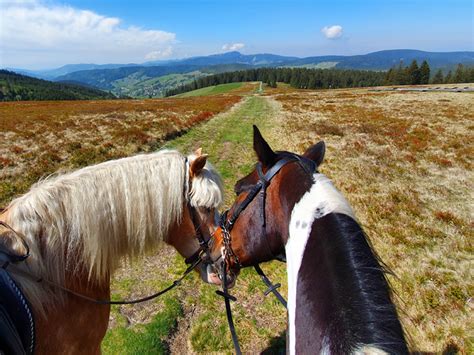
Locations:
91 218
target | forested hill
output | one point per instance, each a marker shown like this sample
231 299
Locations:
16 87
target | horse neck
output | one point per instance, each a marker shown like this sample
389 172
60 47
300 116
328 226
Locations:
338 297
64 234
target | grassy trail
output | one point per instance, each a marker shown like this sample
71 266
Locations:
192 319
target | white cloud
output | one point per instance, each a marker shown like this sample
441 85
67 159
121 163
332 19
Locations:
33 31
332 32
232 47
159 54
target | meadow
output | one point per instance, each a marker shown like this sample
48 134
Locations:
402 159
42 137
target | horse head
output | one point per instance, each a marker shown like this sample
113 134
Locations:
193 235
257 223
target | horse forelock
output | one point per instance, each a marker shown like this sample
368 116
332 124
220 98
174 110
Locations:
206 188
92 217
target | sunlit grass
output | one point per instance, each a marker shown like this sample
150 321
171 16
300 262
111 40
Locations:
403 160
212 90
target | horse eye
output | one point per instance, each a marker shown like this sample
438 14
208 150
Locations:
208 210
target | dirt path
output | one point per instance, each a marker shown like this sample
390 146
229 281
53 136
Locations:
228 140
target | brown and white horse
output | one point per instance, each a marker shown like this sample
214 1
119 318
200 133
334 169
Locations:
338 297
80 225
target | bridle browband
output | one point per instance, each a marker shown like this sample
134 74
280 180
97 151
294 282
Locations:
227 223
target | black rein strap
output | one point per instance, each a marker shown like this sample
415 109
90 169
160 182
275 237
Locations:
227 298
96 301
271 287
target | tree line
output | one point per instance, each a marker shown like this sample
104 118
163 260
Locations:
16 87
416 75
300 78
303 78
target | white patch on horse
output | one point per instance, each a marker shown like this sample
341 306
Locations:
323 198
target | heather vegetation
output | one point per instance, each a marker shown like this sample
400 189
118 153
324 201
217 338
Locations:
40 137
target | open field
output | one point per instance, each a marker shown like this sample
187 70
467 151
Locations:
403 160
234 88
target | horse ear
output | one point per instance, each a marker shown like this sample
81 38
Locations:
265 154
198 152
197 165
316 153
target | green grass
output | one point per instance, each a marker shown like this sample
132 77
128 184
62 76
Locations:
212 90
144 339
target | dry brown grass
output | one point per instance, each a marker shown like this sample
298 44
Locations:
405 162
38 138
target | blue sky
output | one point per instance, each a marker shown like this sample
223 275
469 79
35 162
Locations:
40 34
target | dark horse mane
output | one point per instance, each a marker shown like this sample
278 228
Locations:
356 291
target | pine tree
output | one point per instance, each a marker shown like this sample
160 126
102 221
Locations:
448 78
424 73
414 74
390 77
438 78
470 75
459 76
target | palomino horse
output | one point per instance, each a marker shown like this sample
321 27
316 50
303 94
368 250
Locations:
338 296
78 227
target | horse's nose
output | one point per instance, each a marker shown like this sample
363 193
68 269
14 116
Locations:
230 277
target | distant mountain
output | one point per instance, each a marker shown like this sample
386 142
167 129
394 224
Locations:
231 58
384 60
144 80
51 74
15 87
133 80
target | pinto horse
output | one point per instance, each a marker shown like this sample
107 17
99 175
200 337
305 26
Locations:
339 301
78 226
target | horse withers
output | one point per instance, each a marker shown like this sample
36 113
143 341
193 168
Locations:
339 301
79 226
